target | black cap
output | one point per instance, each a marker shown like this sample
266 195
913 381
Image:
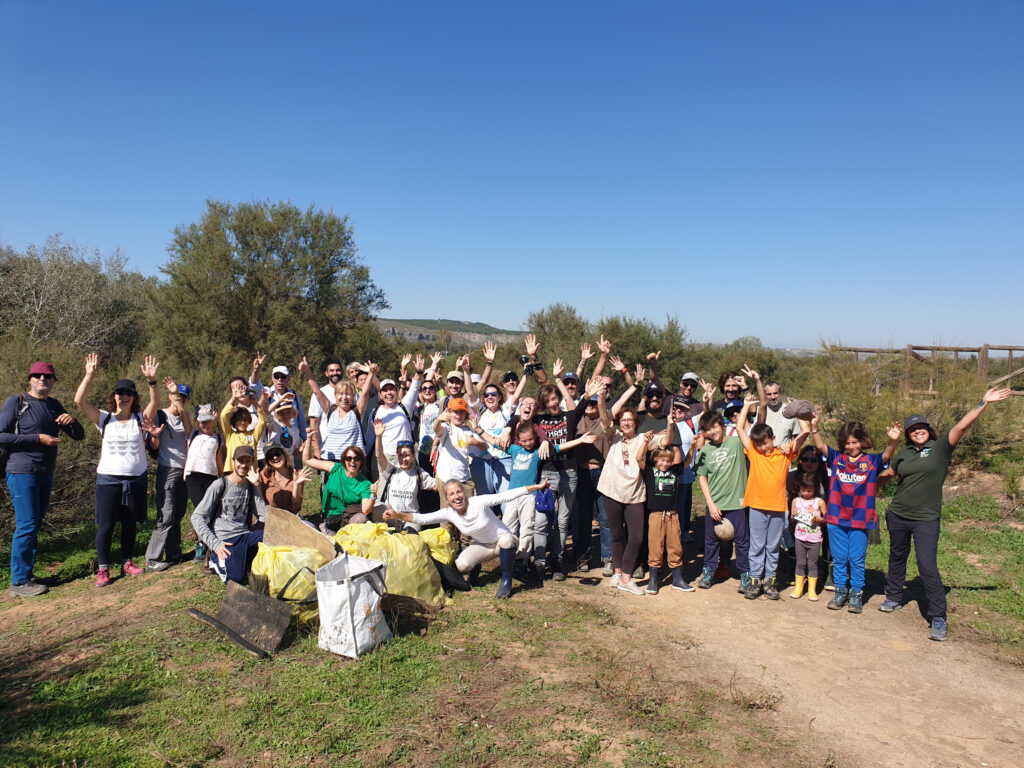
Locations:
915 420
243 450
126 386
510 376
273 450
654 389
570 376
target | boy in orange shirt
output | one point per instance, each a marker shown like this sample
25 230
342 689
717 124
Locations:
766 493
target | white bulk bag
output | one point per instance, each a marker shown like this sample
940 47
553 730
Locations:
349 590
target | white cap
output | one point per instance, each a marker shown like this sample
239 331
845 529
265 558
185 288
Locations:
281 369
386 382
475 378
690 376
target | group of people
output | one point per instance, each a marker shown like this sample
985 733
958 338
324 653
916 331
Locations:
511 476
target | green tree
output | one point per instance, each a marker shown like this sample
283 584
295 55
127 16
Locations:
265 276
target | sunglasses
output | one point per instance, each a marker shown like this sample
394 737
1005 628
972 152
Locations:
404 444
277 457
46 376
492 393
280 376
352 459
688 384
654 396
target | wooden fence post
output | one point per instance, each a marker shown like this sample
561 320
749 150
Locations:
983 362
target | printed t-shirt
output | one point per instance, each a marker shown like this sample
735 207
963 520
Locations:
725 467
558 428
661 488
805 511
851 493
124 448
921 474
404 487
766 483
453 455
525 466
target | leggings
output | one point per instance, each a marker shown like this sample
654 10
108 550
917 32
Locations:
807 557
112 509
197 483
620 518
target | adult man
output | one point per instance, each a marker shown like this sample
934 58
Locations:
221 520
572 385
317 422
281 386
732 385
693 407
171 491
29 424
785 429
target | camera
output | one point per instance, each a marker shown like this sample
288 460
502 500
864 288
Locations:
252 393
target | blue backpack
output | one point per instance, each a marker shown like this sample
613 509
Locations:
544 501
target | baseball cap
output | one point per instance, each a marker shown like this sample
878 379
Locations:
280 369
915 420
273 450
653 389
510 376
570 376
733 405
690 376
458 404
126 386
206 413
475 378
184 389
388 382
40 367
455 375
679 402
243 450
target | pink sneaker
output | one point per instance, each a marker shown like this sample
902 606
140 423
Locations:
131 569
102 577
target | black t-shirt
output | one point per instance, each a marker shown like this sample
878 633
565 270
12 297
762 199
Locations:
559 428
661 488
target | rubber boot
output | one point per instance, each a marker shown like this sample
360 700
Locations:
812 588
830 585
652 585
678 582
798 587
508 560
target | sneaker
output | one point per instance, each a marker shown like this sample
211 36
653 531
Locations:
200 552
584 566
938 629
888 606
633 589
157 565
838 599
615 579
707 578
770 590
606 569
558 575
856 602
29 589
102 577
130 569
744 583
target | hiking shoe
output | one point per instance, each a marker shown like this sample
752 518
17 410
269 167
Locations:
157 565
707 578
838 599
200 554
938 629
744 583
888 606
770 590
558 575
29 589
722 572
754 590
856 602
130 569
606 569
102 577
633 589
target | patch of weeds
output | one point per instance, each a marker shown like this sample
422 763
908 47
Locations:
765 697
972 507
651 753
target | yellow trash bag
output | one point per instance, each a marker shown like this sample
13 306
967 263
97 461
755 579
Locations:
355 538
439 541
409 569
288 573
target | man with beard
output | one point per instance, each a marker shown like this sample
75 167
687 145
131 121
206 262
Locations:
317 422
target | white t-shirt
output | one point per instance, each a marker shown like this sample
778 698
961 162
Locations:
453 455
124 446
785 430
202 455
404 487
479 522
429 414
397 425
491 422
316 412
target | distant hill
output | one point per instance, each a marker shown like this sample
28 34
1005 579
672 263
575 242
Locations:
463 333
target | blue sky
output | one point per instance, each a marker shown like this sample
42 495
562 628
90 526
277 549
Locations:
789 170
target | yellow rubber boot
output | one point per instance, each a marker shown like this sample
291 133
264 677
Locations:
798 587
812 588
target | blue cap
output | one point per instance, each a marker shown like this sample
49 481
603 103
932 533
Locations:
184 390
733 404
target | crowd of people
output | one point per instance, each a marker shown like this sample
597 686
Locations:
525 479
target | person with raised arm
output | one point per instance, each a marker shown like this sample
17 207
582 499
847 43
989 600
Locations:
399 486
236 420
347 495
280 484
342 417
121 472
915 511
395 414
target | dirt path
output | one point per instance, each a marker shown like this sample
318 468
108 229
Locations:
895 699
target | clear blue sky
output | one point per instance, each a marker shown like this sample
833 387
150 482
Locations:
790 170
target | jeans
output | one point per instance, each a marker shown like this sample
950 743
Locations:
849 548
741 540
765 537
171 502
586 495
31 496
563 483
235 567
925 534
684 505
490 474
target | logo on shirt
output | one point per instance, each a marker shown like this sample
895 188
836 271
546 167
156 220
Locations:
852 478
925 452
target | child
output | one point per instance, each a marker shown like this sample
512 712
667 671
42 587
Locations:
851 506
808 512
520 514
662 521
235 421
765 494
722 475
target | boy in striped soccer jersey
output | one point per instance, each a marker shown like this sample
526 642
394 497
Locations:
851 505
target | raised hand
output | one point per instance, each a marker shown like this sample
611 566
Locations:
304 365
238 389
463 363
894 431
252 477
406 359
995 395
436 358
654 356
148 425
378 427
92 361
418 364
742 382
592 388
750 400
617 364
751 373
170 385
544 451
531 345
304 475
258 361
556 369
585 351
639 373
372 368
814 423
149 367
489 350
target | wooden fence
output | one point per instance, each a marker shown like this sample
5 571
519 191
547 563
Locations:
914 352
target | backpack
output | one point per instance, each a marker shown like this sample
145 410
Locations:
544 501
5 453
372 471
427 500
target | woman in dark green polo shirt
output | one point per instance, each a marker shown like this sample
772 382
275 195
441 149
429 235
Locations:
916 508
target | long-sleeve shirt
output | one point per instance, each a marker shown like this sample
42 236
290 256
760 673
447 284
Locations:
479 522
28 455
233 439
224 511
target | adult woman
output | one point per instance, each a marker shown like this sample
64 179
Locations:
203 460
622 485
121 472
491 468
399 487
916 508
279 482
344 415
426 413
346 497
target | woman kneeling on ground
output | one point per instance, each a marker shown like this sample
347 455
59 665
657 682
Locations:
347 496
474 518
920 467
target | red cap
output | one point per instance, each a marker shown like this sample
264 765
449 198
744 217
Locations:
42 367
457 404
